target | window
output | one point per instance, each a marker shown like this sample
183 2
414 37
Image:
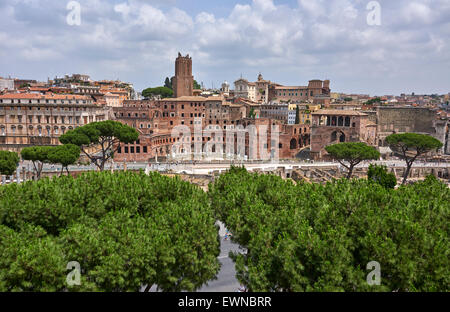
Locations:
145 149
347 121
126 149
138 149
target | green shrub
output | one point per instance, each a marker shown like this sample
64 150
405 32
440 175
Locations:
312 237
380 175
125 229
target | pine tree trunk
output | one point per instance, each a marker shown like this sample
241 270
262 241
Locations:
405 176
350 172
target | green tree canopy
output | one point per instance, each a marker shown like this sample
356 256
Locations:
197 85
164 92
380 175
374 101
312 237
352 153
252 113
297 115
105 135
65 155
126 230
38 155
8 162
168 83
410 146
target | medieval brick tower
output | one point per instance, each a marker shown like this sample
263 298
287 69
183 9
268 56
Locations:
183 82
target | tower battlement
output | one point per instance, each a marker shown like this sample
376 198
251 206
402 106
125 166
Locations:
183 83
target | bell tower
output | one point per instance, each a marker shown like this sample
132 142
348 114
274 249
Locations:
183 83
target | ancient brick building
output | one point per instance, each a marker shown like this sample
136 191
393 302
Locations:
337 126
198 126
183 82
404 119
28 119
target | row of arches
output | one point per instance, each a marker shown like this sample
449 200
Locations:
335 121
301 142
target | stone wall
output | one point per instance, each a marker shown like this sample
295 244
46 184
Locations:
404 119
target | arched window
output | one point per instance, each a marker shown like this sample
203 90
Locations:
293 144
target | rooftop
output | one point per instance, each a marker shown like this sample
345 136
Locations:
339 112
290 87
36 96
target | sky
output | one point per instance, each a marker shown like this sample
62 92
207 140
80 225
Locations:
369 47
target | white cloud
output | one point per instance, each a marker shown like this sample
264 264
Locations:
289 44
416 12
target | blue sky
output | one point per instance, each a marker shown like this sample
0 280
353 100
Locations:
288 41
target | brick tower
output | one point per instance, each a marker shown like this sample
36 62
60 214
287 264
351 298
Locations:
183 82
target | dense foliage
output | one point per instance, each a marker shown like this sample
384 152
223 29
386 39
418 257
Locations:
64 155
380 175
125 229
374 101
8 162
168 83
410 146
350 154
197 85
312 237
100 140
164 92
38 155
